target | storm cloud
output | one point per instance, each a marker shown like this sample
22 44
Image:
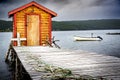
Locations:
70 9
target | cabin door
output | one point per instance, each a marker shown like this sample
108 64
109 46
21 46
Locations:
33 36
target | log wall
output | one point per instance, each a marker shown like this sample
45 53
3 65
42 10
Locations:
45 23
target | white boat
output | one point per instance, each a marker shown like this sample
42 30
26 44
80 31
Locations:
78 38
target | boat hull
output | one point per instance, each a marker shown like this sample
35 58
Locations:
77 38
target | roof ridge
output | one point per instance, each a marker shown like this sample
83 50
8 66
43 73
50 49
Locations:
10 13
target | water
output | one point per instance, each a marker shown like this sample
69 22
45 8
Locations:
110 45
5 73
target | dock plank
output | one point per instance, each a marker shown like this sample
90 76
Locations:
79 62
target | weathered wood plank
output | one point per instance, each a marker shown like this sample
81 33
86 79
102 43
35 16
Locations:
79 62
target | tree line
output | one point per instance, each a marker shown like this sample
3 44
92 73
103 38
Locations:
6 26
87 24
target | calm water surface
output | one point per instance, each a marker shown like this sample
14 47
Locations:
110 45
5 73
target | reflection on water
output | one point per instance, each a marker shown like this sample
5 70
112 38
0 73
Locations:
4 68
110 45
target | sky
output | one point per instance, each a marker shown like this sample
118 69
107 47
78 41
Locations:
68 10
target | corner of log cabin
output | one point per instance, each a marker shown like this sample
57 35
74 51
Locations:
20 21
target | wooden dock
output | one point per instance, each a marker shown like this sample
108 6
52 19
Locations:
79 62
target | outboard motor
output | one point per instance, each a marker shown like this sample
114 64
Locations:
100 37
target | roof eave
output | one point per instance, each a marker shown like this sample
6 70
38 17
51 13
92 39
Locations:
11 13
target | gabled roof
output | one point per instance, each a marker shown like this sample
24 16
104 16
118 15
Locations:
30 4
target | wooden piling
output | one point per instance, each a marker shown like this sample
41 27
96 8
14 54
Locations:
8 52
15 63
16 69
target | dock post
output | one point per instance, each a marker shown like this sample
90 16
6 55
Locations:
9 51
16 69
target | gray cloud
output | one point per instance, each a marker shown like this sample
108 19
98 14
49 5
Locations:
118 1
70 9
102 2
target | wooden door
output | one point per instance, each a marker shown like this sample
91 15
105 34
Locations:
33 36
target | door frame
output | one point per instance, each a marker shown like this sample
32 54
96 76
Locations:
39 26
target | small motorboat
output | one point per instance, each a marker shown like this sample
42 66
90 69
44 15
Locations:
78 38
113 33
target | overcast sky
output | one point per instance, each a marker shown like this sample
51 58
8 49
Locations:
70 9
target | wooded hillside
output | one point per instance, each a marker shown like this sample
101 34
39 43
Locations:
73 25
5 26
87 24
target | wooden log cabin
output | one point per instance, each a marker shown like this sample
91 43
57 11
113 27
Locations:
33 22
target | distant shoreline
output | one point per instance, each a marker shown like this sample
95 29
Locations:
103 24
81 30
